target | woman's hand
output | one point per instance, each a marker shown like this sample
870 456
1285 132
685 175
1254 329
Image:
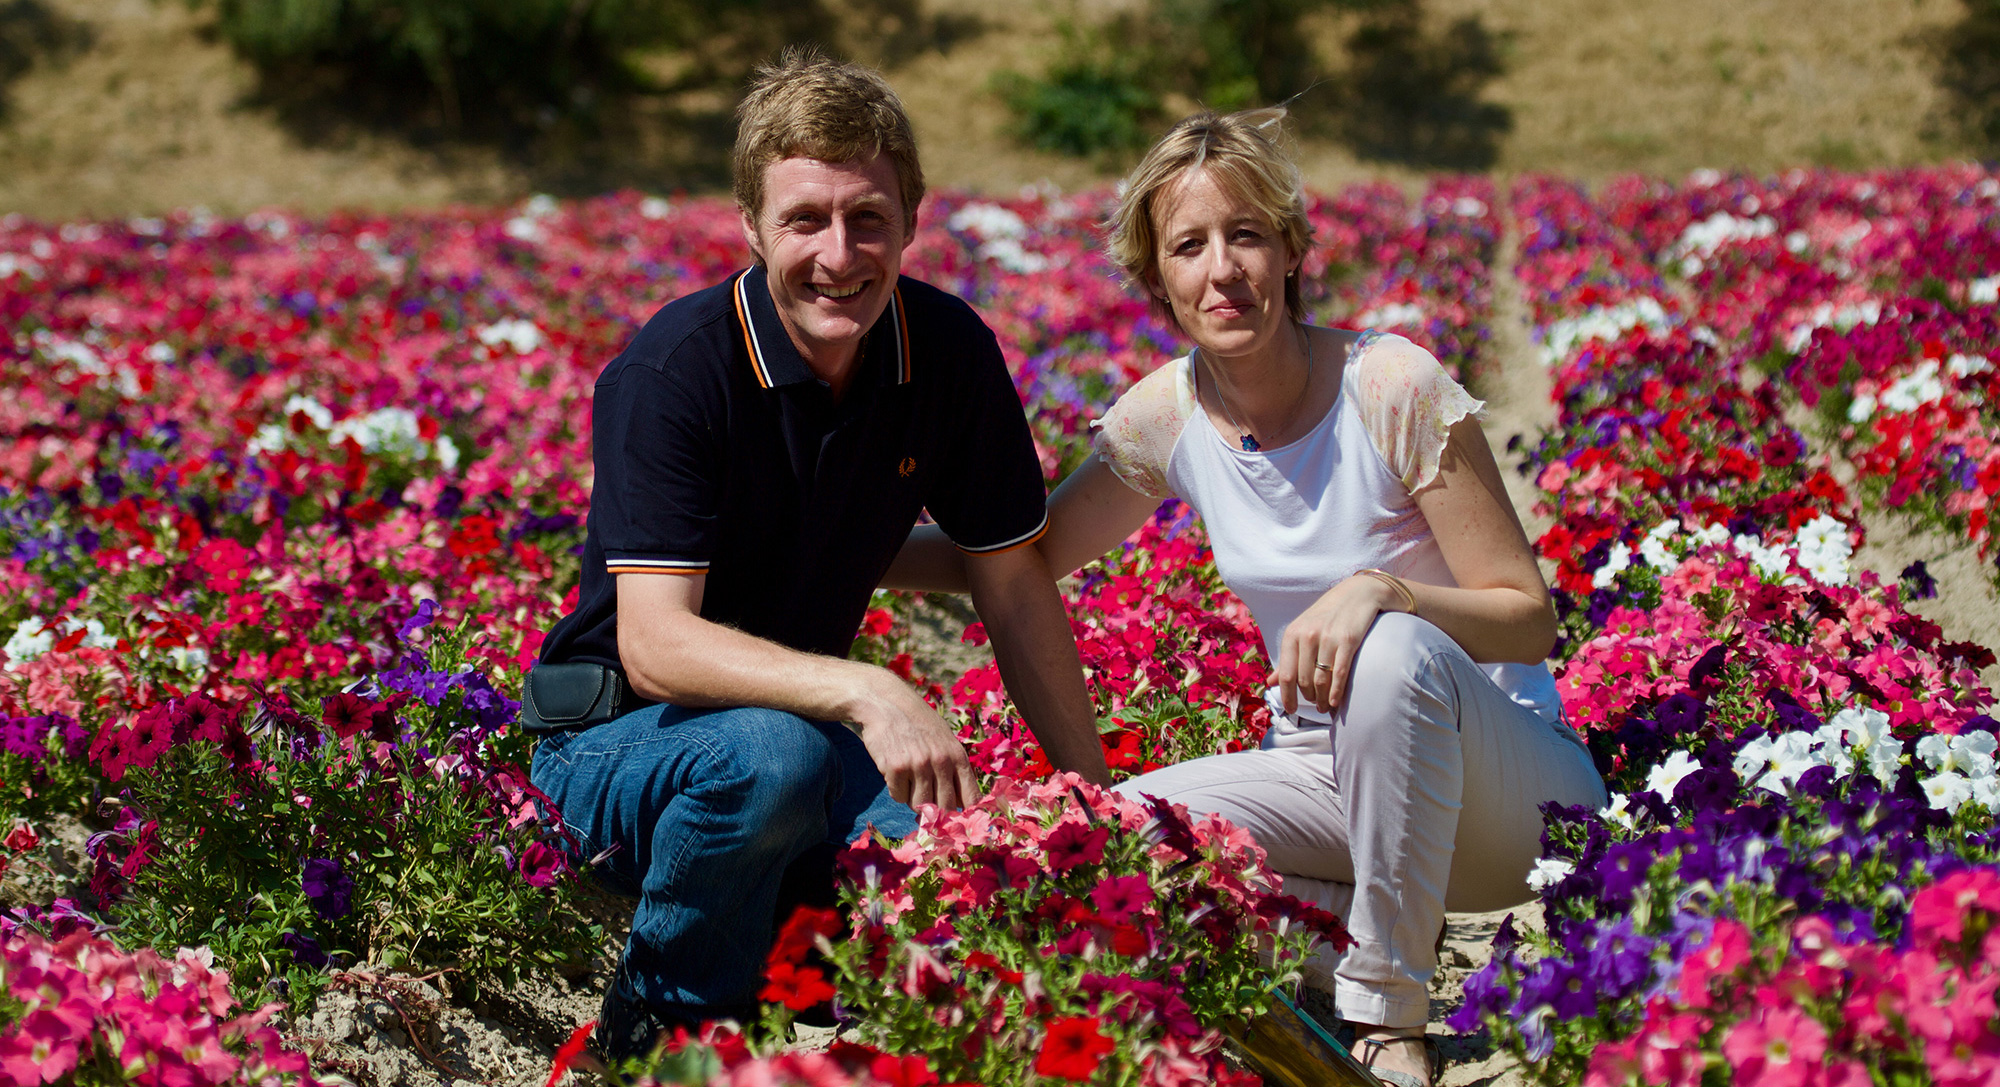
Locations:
1316 656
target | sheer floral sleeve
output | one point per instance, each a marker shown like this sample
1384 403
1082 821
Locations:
1408 405
1135 438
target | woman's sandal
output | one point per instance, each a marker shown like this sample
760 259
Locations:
1367 1049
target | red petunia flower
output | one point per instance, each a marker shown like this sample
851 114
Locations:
149 737
795 940
347 714
796 987
1071 844
1073 1049
910 1071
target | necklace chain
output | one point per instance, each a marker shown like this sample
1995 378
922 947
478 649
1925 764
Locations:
1243 436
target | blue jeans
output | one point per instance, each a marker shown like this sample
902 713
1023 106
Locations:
703 811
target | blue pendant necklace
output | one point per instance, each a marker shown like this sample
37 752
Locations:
1248 440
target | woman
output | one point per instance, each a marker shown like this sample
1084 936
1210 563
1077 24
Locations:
1354 505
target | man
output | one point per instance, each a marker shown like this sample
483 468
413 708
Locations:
762 448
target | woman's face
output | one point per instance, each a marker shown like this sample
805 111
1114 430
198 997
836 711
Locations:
1220 265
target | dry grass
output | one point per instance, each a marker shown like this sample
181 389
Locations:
1599 87
152 115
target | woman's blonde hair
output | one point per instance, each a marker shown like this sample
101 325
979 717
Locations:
808 105
1245 153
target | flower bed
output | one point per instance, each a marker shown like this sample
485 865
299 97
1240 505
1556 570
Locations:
1876 298
286 503
1803 774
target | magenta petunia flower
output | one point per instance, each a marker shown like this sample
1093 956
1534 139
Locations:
541 865
1120 898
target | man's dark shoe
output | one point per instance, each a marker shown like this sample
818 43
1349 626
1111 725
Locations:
628 1027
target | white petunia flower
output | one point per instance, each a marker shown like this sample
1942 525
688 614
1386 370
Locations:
1863 726
1777 763
1709 536
1015 257
1615 563
1603 323
988 221
1983 292
1825 547
1970 754
1619 811
29 641
1913 390
1826 315
1986 792
1702 239
315 411
1964 366
1948 791
1667 776
1885 760
1772 563
1654 547
1862 409
11 265
384 430
1548 873
518 333
1391 315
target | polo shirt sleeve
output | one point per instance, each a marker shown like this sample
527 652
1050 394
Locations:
657 492
991 496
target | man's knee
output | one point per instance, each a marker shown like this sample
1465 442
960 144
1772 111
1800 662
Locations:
778 761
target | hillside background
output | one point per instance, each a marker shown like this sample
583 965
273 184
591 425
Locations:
117 107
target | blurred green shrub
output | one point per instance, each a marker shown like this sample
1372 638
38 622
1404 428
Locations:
1969 74
480 61
1082 107
1106 86
1414 96
1402 91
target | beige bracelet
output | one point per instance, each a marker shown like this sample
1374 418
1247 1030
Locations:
1409 598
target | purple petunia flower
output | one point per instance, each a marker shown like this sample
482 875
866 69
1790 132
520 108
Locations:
305 950
426 613
328 888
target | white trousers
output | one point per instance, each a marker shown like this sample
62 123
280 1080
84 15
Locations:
1428 801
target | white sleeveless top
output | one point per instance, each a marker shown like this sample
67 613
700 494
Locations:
1290 522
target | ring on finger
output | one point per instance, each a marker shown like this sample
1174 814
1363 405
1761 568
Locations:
1322 667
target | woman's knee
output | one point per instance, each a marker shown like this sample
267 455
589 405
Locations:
1403 680
1401 647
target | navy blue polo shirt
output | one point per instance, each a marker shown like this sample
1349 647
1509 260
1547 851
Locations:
717 451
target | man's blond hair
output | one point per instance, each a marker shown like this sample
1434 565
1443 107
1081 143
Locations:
1244 152
808 105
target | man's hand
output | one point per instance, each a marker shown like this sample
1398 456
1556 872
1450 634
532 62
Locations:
919 755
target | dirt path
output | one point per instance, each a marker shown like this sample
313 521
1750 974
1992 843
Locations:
1516 387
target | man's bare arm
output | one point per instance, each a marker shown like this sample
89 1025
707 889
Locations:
1024 616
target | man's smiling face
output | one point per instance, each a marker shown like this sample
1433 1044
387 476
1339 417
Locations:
831 237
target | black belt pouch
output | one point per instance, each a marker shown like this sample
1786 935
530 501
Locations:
573 695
